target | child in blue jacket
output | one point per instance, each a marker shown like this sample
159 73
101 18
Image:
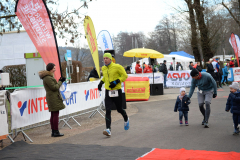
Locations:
225 74
233 104
182 106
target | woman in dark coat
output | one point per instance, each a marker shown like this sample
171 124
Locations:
53 98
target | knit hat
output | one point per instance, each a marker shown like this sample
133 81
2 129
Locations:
234 85
182 89
232 58
194 72
108 55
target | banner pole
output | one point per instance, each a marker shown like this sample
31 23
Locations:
54 37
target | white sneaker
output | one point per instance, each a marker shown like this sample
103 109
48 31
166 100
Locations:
107 132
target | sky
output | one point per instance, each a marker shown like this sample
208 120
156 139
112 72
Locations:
124 15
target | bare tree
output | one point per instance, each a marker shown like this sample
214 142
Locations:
231 13
66 23
194 35
205 41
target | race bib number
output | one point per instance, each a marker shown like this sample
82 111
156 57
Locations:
113 93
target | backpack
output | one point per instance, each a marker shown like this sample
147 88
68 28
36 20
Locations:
161 69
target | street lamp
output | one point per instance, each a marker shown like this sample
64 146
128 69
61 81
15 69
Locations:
173 58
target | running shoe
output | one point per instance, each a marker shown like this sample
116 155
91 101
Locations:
186 123
107 132
181 123
203 122
126 125
236 132
206 125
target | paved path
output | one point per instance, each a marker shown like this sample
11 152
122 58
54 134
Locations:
157 126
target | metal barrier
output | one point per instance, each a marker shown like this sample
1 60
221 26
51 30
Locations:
64 118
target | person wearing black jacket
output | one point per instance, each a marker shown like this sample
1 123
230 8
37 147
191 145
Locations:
210 70
235 62
179 65
93 74
199 67
220 73
165 72
191 66
171 67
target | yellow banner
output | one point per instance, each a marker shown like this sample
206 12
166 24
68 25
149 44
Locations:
92 41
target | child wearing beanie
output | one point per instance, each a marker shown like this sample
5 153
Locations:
181 105
233 104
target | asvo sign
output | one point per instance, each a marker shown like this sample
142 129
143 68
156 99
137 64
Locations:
178 76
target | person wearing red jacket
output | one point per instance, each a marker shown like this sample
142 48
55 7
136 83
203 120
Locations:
148 69
231 63
138 68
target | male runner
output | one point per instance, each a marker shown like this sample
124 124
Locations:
207 89
113 76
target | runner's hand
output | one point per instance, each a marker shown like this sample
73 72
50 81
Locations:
114 83
214 95
100 85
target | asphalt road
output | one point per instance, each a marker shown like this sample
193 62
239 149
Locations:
156 125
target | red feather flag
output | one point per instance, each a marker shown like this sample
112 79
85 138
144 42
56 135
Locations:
234 45
35 18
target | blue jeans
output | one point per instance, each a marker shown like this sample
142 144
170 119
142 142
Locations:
165 80
183 113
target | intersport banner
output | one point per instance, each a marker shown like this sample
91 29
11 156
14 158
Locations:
236 74
92 41
34 16
29 106
105 40
177 79
235 46
158 77
3 116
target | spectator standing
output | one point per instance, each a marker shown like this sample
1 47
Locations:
199 67
231 64
179 66
171 67
191 65
148 69
235 62
93 74
55 103
225 74
220 73
165 72
156 67
138 68
216 68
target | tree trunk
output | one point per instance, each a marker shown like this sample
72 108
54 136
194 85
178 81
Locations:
205 42
194 41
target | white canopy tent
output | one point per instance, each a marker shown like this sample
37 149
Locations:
183 60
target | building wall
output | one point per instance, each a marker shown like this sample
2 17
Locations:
13 45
